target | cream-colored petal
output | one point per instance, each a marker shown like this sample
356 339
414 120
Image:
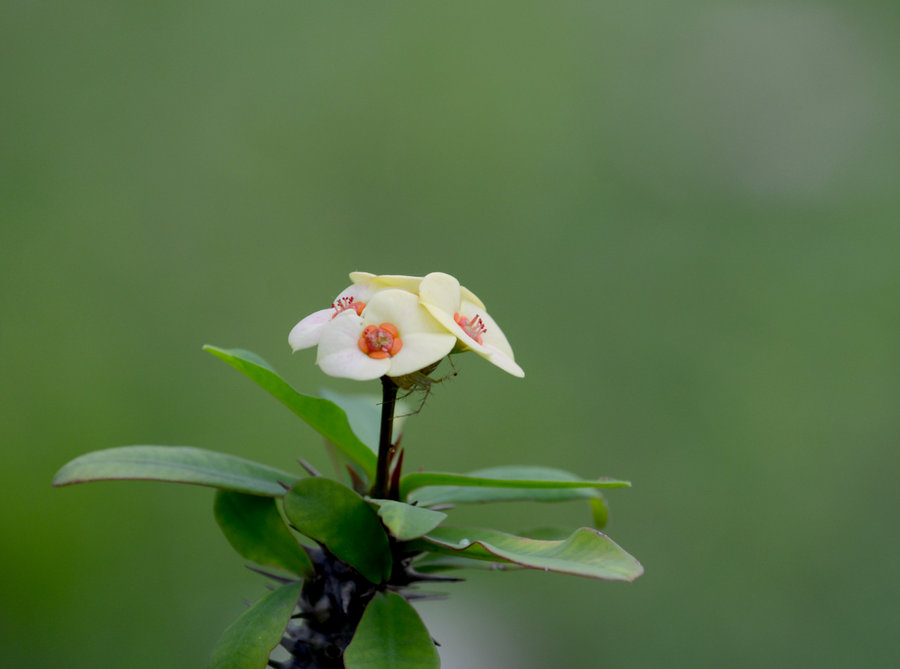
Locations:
382 281
494 347
451 326
447 319
439 291
421 350
503 361
339 354
360 277
493 335
402 309
467 294
306 333
353 364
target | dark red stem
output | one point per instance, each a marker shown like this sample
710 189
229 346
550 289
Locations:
385 443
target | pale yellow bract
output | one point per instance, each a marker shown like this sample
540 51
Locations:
395 325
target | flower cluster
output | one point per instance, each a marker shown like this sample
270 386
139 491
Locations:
396 325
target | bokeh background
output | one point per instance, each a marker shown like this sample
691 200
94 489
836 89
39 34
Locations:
684 215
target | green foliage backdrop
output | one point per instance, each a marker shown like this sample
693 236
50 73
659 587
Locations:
684 215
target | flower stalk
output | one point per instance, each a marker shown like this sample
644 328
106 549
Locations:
385 438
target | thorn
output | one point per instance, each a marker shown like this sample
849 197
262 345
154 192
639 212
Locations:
416 577
268 574
308 467
358 484
424 597
394 484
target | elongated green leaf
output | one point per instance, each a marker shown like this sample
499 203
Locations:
336 516
247 642
586 552
545 533
500 484
322 415
255 529
364 415
177 464
391 634
406 521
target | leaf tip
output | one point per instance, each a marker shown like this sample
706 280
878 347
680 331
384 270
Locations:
637 573
62 477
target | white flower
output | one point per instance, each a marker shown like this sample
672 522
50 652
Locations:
394 335
406 331
308 331
464 315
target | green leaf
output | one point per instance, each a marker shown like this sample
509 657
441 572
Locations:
546 533
334 515
501 484
324 416
255 529
247 642
586 552
177 464
391 634
405 521
364 414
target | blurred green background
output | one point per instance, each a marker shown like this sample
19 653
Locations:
684 215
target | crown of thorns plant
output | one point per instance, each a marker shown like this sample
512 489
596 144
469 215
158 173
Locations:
347 555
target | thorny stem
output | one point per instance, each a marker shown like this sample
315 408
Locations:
385 443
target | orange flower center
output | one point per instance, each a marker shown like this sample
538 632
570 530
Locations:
381 341
347 303
474 327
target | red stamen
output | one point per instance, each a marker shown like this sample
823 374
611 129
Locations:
473 327
347 303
